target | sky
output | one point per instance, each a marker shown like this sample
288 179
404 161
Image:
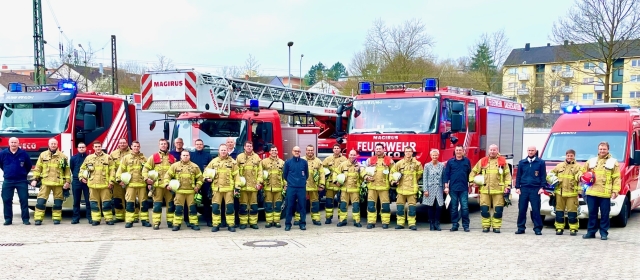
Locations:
208 35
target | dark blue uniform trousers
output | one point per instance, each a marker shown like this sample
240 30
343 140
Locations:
529 195
296 200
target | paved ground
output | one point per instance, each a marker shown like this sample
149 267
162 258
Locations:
321 252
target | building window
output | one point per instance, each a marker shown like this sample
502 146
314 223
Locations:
512 85
587 80
566 98
635 78
614 87
616 101
589 65
523 85
635 63
587 96
513 71
556 83
556 68
634 94
599 96
567 68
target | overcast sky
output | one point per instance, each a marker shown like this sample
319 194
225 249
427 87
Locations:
210 34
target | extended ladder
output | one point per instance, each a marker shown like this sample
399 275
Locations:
180 91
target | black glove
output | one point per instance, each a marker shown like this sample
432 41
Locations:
66 193
507 200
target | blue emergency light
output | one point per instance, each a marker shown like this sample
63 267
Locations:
571 109
365 87
254 105
430 84
15 87
67 85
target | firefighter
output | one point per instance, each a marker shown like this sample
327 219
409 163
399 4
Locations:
133 163
566 192
408 170
378 187
315 184
494 180
54 174
118 193
190 178
273 185
349 190
98 172
160 162
332 163
250 169
223 186
605 188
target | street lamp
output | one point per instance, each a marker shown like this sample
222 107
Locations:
290 44
301 56
86 85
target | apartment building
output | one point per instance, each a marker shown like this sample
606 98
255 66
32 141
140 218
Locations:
543 78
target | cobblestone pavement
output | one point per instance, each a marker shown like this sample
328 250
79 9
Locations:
81 251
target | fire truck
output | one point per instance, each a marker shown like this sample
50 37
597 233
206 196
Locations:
582 128
36 114
428 117
214 108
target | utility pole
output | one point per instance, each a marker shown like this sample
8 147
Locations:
114 66
39 74
289 79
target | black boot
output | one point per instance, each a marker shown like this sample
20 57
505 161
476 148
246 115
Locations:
431 226
436 225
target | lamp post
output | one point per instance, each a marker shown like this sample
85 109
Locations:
289 45
86 86
301 56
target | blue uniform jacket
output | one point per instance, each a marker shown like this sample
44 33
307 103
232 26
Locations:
531 174
16 166
201 158
456 173
295 172
74 164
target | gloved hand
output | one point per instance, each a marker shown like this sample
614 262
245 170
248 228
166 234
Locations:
236 193
66 193
507 200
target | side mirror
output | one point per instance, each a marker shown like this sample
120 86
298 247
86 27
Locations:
457 107
152 125
165 130
340 140
89 108
89 122
456 122
636 157
454 140
267 147
357 113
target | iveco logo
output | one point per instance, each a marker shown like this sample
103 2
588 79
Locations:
28 146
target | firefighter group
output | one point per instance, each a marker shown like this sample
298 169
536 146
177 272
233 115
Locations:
120 183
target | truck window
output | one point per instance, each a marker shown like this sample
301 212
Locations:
213 132
262 133
395 115
104 118
471 115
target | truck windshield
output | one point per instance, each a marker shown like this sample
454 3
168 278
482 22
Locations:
399 115
585 144
46 118
213 132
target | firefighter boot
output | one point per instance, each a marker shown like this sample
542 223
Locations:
496 222
400 216
253 216
268 214
328 210
157 215
315 213
411 217
385 215
574 224
559 224
171 209
486 218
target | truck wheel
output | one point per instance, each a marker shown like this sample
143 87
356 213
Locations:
622 218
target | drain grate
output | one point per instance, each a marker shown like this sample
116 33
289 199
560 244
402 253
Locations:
265 243
10 244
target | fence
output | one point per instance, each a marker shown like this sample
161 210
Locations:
540 120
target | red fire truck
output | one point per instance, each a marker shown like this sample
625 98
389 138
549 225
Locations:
582 128
428 117
36 114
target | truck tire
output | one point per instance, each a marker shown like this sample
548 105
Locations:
622 218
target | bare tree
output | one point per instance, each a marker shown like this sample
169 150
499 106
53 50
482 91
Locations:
230 71
251 67
77 63
163 63
408 40
129 76
486 58
600 31
365 63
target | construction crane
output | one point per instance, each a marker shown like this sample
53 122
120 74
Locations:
39 76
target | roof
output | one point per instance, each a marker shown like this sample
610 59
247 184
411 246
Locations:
8 77
91 73
264 79
560 53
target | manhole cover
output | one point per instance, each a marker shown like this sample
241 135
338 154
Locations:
10 244
265 243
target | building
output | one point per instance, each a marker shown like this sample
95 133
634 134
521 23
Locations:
86 77
332 87
9 77
269 80
544 77
296 82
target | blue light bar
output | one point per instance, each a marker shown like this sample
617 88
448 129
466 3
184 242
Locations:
254 104
430 84
365 87
15 87
67 85
571 109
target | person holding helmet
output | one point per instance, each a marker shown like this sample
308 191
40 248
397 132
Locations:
376 175
160 163
273 185
223 186
131 167
315 184
405 174
493 176
98 172
606 186
202 157
565 176
119 193
53 172
250 169
332 163
189 179
532 174
349 181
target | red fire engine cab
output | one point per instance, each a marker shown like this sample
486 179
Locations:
582 128
429 117
36 114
